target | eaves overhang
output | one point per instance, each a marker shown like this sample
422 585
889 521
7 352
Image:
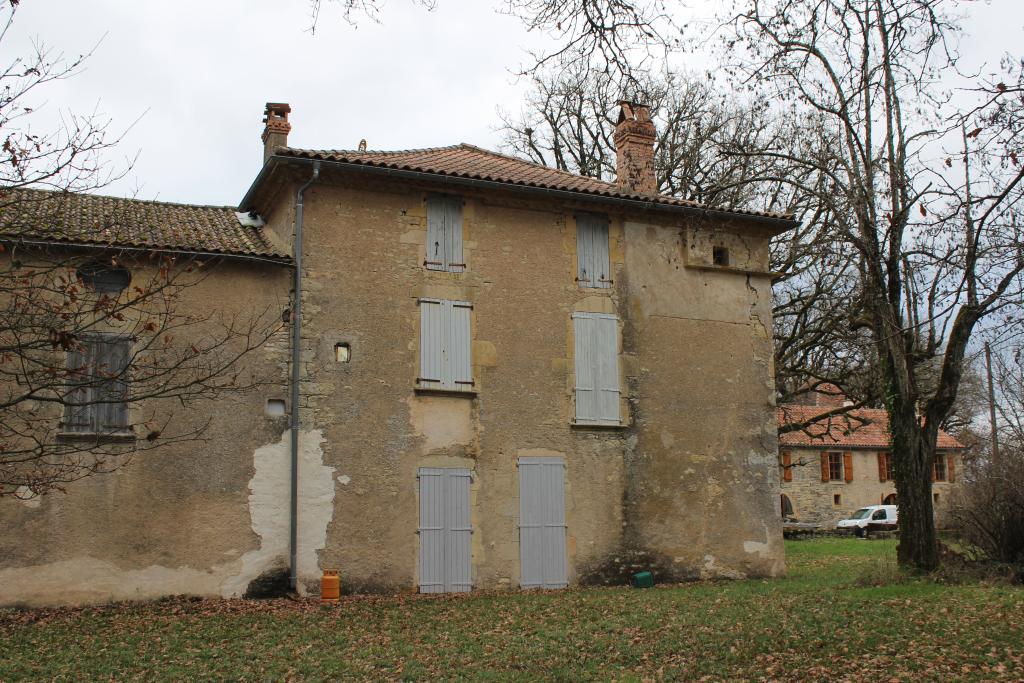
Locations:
771 224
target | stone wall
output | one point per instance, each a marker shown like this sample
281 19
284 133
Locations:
199 517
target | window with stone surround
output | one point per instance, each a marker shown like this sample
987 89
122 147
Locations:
592 256
445 346
97 399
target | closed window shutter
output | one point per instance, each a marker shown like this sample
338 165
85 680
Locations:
824 466
111 365
881 467
76 408
431 343
453 234
461 370
592 251
445 345
848 467
787 466
434 255
597 367
950 469
444 234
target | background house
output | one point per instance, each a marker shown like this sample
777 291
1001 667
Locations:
503 382
843 463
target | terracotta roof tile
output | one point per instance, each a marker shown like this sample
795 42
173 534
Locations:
99 220
469 161
843 430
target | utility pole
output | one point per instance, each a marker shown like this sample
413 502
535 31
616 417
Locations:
992 405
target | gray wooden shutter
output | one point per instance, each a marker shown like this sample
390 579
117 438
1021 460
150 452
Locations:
592 251
542 523
444 234
445 344
453 235
597 367
431 343
461 371
76 407
445 530
434 258
431 530
112 383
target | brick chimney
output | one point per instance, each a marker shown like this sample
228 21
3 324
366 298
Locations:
275 134
634 149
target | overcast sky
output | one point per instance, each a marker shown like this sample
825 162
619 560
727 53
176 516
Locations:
199 73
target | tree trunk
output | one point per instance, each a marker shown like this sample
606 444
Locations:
913 459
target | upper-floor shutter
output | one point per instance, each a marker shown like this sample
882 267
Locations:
597 367
787 466
950 468
445 344
111 365
848 467
825 473
592 251
444 233
76 406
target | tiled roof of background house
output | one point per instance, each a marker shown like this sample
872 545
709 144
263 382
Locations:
115 221
469 161
860 428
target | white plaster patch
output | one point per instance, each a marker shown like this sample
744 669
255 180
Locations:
756 547
27 497
712 570
344 480
442 421
667 439
269 509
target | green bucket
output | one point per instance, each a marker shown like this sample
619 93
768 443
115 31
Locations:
643 580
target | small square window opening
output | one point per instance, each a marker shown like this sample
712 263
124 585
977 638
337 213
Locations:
935 497
837 499
720 256
275 407
342 353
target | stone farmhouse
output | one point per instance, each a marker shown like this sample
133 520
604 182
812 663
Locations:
834 467
495 375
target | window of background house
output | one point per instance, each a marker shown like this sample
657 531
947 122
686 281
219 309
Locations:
97 402
444 234
597 368
939 469
837 499
445 355
592 258
835 466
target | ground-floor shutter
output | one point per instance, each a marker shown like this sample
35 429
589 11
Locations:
542 523
445 530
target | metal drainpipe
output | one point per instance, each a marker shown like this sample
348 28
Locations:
293 531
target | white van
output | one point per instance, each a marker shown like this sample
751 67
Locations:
871 518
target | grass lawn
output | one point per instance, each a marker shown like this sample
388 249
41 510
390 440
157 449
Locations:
823 621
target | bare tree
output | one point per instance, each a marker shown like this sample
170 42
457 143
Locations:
98 355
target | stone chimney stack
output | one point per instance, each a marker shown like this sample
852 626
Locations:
275 133
634 149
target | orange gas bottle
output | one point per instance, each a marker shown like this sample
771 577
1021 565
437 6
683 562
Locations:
330 586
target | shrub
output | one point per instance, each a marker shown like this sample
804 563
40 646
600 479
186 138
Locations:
988 510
